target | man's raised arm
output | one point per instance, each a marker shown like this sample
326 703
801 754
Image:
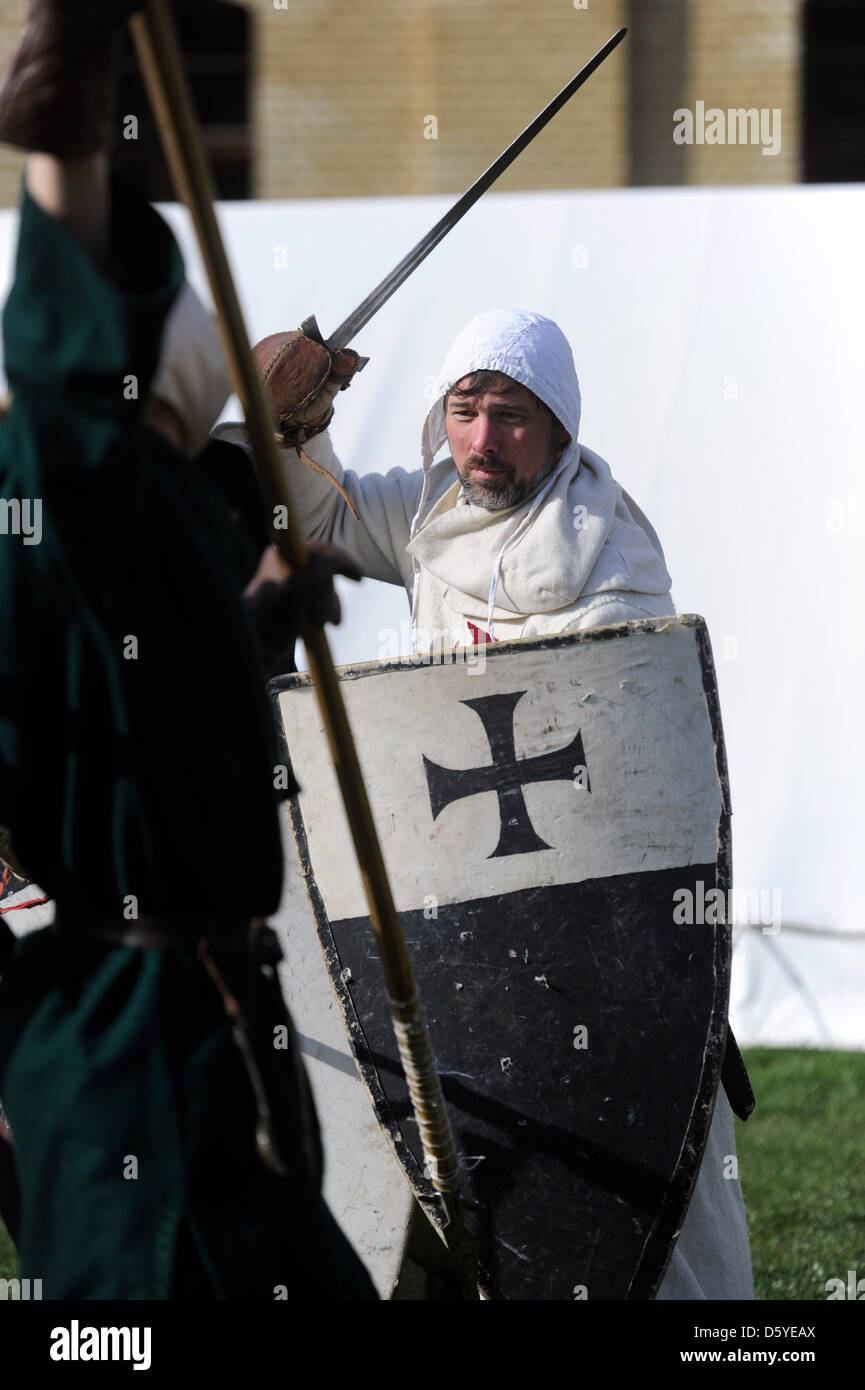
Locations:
369 517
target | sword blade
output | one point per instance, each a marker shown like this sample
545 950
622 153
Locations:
351 326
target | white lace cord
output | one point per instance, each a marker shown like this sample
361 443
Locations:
427 456
526 521
412 633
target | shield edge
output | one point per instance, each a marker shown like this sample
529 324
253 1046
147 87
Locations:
649 1272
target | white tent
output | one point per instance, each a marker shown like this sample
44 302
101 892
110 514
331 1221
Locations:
718 340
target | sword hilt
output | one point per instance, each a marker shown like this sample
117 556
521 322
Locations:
310 329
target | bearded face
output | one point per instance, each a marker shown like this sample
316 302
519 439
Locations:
496 491
504 441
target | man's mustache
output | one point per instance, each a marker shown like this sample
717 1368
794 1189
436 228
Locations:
476 461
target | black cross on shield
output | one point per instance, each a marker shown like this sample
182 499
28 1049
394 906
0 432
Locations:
506 775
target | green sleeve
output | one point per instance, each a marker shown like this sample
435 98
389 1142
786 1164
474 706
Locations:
135 735
80 348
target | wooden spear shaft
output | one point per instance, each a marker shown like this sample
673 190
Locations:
159 57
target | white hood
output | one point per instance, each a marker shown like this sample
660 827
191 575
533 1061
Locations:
531 349
192 375
579 535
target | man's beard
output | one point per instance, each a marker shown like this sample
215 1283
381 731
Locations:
509 493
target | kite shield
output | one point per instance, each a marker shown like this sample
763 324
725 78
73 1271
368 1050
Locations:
554 816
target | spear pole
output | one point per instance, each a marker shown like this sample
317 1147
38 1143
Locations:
159 57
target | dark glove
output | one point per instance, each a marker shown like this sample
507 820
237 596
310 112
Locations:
301 376
57 93
281 610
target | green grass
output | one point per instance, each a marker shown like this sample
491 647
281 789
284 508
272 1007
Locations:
8 1260
802 1169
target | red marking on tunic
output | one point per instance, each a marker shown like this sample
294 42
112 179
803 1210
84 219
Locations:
479 635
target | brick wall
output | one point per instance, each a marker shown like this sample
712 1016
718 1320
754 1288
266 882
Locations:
746 55
11 163
343 92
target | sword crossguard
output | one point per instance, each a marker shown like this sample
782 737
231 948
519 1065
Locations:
310 329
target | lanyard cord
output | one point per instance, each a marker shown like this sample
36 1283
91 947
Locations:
526 521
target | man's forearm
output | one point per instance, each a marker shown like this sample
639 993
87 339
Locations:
385 504
55 103
75 191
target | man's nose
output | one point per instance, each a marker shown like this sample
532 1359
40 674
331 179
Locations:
484 436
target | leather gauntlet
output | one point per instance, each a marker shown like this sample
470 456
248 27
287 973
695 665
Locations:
301 377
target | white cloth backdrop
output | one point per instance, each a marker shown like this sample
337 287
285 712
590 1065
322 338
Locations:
718 340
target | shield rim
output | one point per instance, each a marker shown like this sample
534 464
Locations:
661 1240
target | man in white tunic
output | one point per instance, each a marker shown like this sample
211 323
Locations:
520 531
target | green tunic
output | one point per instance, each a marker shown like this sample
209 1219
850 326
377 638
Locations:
136 747
136 770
